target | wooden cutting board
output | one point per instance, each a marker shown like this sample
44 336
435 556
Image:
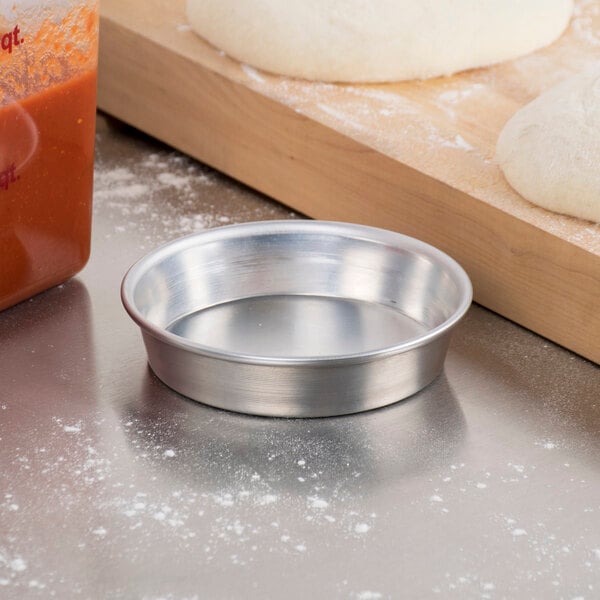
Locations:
416 157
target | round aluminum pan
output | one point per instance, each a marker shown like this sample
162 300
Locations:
296 318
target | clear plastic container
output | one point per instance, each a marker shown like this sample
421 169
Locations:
48 65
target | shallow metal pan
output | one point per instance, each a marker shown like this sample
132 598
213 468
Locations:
296 318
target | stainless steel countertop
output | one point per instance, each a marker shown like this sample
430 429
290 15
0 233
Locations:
484 485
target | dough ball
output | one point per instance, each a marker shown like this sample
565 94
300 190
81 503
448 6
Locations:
549 150
377 40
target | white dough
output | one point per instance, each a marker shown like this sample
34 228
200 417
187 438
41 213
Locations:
377 40
549 150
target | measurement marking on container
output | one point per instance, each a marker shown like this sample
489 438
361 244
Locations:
8 176
11 39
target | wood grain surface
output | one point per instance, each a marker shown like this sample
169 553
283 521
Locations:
415 157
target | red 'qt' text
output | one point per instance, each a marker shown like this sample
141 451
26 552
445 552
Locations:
11 39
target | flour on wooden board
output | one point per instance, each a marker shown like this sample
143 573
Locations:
383 117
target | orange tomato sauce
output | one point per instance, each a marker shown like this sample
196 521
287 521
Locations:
46 180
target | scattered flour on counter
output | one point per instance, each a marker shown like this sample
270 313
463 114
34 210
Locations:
168 195
117 175
100 531
177 181
316 502
196 222
267 499
72 428
368 595
223 499
134 188
361 528
246 517
18 564
547 444
35 584
123 192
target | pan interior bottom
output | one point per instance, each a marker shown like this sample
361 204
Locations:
297 326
